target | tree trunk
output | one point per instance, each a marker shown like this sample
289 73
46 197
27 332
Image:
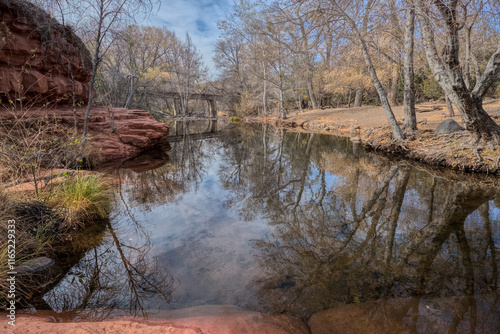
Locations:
467 77
410 118
300 100
310 91
95 63
91 97
396 130
130 93
448 74
358 98
282 107
393 87
308 60
264 94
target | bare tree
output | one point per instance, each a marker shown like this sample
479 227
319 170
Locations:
339 9
410 119
102 20
145 50
186 68
448 71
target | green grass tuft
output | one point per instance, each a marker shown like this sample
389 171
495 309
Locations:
82 199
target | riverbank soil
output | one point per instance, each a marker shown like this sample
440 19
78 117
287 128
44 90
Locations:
457 150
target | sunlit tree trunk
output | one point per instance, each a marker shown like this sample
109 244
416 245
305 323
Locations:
130 94
449 106
393 87
264 93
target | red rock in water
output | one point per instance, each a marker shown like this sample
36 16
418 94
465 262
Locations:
134 131
38 56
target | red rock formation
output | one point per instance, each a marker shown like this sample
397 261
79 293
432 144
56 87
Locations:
134 130
117 133
38 57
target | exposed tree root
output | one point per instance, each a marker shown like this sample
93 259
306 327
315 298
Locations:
458 150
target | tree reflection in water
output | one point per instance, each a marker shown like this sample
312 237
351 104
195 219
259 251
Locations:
343 228
119 276
350 227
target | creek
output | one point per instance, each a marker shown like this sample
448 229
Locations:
295 223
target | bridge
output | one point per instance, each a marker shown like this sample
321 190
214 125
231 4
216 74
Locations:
210 98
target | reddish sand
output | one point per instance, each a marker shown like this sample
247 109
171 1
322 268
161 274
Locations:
210 319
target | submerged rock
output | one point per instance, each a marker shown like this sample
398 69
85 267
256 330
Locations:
402 315
448 126
35 266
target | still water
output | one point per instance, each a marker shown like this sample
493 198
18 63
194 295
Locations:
294 223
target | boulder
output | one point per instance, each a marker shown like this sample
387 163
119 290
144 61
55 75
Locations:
130 136
36 55
448 126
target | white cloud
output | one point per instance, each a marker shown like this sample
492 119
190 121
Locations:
196 17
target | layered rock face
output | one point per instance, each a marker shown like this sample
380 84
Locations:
116 133
39 57
42 63
120 133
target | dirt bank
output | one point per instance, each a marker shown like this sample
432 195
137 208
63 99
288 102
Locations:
457 150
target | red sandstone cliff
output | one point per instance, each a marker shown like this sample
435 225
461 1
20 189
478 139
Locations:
39 56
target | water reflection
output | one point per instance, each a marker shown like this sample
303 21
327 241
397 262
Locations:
116 277
351 228
297 223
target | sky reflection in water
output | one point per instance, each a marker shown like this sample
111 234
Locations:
299 223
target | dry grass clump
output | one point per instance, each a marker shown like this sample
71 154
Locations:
35 225
42 223
32 144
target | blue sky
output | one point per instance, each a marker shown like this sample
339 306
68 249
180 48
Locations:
196 17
